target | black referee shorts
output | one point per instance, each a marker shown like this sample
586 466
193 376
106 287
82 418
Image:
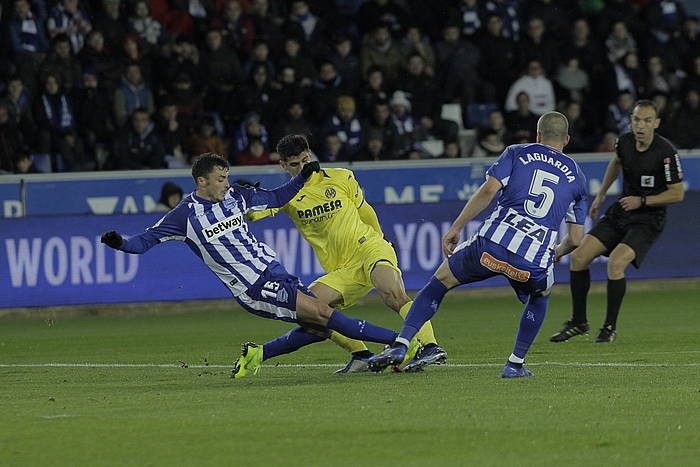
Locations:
611 231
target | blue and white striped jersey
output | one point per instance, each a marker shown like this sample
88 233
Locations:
218 232
541 186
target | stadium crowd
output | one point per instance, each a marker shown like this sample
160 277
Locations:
136 84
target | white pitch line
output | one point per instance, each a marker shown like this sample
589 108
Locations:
326 365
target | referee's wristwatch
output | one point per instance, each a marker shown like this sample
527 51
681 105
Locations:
643 200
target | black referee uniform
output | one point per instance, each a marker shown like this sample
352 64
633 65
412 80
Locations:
643 174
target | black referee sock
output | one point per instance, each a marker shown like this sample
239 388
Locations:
580 284
616 292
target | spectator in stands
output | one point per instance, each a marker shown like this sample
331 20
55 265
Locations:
572 79
18 104
522 119
415 43
617 119
469 12
173 134
67 18
426 101
138 147
133 53
305 27
536 45
686 133
381 51
388 13
346 62
238 29
607 142
687 43
407 128
294 58
205 139
667 113
96 57
251 128
180 57
582 137
110 23
556 14
373 149
266 23
11 142
221 67
509 13
620 42
60 63
170 197
254 154
451 151
692 81
332 150
537 86
380 122
459 61
496 123
627 76
287 89
55 118
585 47
260 58
659 79
489 144
93 113
150 31
190 104
325 92
257 96
293 122
130 95
498 56
373 90
346 125
28 39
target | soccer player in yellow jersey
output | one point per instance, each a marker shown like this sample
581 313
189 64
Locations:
332 215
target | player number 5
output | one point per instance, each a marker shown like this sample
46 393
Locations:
537 188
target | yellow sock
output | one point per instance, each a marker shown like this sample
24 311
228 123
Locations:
351 345
425 335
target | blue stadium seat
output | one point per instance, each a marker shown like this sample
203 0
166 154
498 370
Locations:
478 114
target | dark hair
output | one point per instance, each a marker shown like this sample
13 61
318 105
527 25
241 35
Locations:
292 145
205 163
646 103
169 189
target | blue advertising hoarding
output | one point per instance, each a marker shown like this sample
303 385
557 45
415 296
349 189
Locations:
137 192
58 260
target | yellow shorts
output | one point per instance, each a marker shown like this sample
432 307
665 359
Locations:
353 280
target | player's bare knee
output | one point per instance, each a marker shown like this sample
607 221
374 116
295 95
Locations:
617 266
579 260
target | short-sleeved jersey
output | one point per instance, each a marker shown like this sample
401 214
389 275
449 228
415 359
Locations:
541 187
648 172
326 213
218 232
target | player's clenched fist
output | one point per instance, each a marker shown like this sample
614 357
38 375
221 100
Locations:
112 239
310 168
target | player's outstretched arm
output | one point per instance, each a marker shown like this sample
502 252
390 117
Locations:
278 197
570 242
477 203
611 174
137 244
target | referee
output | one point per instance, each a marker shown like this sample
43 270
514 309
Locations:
652 179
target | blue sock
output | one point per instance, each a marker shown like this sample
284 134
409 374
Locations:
293 340
530 324
424 306
360 329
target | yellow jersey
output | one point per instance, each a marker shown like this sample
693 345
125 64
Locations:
325 211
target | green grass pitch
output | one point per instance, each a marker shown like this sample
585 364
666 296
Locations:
639 405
